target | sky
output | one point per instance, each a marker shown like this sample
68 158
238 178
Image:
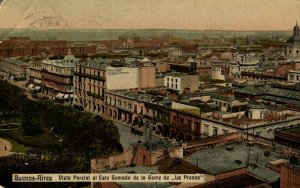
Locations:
151 14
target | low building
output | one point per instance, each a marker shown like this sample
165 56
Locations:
135 108
293 76
182 82
236 156
286 96
11 68
228 103
289 176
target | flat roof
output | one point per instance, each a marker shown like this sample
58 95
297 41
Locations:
178 74
220 159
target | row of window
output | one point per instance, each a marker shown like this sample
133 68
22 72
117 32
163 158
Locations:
172 79
58 69
89 80
94 72
215 131
171 85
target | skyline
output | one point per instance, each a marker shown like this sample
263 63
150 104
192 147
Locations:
234 15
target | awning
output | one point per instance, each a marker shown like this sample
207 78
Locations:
37 88
66 96
37 81
269 129
59 95
30 86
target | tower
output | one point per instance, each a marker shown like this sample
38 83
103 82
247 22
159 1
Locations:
296 30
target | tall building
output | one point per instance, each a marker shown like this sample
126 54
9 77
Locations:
89 85
57 77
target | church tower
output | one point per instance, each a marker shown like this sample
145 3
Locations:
296 30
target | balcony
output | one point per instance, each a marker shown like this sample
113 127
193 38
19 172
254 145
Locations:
184 128
89 76
95 95
124 108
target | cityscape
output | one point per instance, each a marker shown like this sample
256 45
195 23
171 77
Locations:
221 103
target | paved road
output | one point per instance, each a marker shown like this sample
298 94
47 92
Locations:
128 138
5 144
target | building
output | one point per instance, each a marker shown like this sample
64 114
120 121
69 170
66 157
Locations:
35 72
57 77
175 53
137 107
89 85
289 176
11 68
185 124
118 78
24 46
226 56
216 73
235 156
293 76
285 96
292 49
182 82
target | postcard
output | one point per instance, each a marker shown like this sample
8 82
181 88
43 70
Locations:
149 93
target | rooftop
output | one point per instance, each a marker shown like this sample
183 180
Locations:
221 159
95 63
141 96
177 74
295 131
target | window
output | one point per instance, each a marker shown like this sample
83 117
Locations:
206 129
215 131
176 80
197 126
258 133
225 131
261 115
182 120
189 124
